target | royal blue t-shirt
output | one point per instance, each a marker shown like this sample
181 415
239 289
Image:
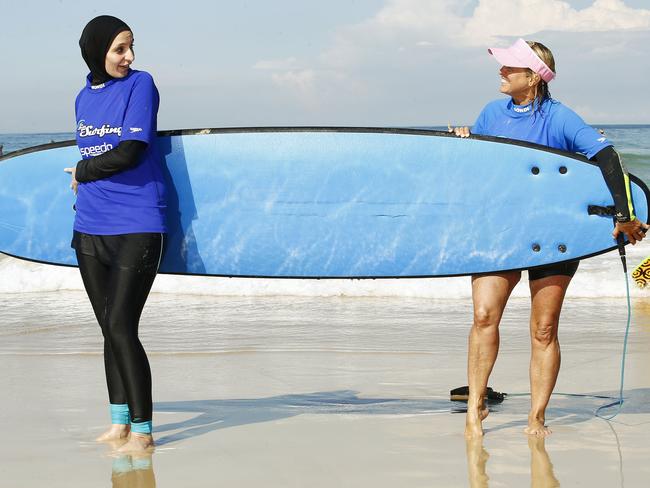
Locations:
553 125
132 200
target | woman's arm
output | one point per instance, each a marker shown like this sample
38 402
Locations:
618 183
124 156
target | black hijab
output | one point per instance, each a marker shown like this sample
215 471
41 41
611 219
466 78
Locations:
95 41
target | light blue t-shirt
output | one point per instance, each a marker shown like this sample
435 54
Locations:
553 125
133 200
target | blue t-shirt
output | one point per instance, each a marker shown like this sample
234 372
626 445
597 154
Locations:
553 125
132 200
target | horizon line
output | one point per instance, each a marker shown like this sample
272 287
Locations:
437 126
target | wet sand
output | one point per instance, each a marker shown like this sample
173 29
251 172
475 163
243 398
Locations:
315 392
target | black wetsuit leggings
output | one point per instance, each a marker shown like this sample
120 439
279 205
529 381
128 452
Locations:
118 272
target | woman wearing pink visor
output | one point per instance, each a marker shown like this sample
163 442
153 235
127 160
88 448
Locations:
528 113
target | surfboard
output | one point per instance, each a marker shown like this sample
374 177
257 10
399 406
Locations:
328 202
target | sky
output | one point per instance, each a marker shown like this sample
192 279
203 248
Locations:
339 62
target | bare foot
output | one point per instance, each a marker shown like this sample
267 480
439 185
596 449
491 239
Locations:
537 428
474 421
138 443
115 432
115 444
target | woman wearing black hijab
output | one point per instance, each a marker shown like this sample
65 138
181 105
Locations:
120 216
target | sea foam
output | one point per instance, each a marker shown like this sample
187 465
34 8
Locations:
600 276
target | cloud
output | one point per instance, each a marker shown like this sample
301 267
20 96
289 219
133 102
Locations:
289 63
303 80
420 15
314 90
286 72
416 61
402 25
497 18
461 22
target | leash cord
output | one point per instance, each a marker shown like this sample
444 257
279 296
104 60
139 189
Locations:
619 402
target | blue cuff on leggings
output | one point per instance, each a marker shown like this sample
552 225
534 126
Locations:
143 463
126 464
122 465
142 427
120 414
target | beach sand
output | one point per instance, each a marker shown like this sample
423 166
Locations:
318 392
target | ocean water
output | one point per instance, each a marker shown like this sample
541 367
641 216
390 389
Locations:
598 277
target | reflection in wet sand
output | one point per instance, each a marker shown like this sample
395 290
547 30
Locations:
133 471
541 468
477 458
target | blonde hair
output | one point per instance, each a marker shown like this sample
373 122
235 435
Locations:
541 90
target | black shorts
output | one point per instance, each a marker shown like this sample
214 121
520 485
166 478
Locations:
563 269
140 252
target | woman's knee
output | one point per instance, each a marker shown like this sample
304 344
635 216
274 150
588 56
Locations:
486 317
490 294
544 331
117 329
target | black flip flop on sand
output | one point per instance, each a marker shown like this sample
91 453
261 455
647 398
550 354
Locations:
461 394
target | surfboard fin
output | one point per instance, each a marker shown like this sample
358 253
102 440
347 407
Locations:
461 394
641 274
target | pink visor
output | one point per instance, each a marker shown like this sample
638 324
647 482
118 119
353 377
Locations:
520 55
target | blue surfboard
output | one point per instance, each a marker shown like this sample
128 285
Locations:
337 203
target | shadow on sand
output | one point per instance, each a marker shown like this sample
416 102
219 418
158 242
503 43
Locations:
221 414
571 408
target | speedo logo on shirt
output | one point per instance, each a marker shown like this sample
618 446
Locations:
89 130
92 151
522 110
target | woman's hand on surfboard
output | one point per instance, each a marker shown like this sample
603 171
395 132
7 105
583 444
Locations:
459 131
73 183
634 230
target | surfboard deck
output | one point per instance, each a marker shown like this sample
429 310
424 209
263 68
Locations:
330 202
